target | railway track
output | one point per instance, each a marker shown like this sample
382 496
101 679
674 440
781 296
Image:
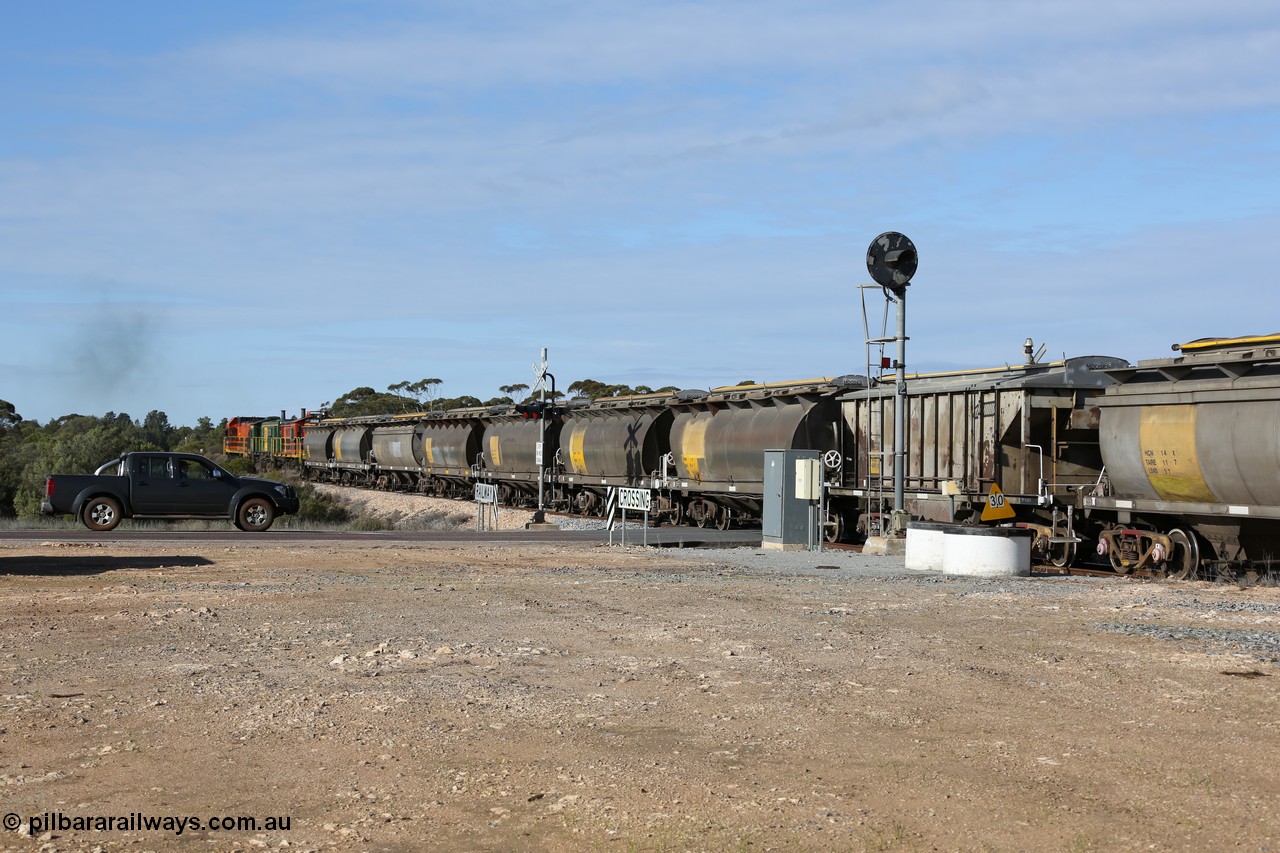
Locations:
736 536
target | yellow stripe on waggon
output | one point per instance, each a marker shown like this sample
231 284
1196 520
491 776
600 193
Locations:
695 447
577 449
1167 438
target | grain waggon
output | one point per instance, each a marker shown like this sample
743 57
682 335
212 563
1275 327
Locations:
718 441
1192 451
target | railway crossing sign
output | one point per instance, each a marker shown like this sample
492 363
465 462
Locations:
997 508
625 499
486 505
639 499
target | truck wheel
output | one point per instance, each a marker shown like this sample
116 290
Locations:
101 513
255 515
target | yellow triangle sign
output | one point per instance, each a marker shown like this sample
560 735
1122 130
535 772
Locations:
997 508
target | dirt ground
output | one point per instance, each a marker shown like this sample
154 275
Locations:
404 697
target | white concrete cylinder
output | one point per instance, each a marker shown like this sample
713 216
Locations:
987 551
925 545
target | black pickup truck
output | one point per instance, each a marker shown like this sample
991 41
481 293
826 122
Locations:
166 486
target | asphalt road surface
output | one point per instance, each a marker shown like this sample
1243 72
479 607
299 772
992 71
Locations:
667 537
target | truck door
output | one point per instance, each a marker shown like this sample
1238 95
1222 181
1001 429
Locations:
204 493
154 486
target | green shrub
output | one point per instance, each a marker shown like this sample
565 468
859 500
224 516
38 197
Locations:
241 467
317 508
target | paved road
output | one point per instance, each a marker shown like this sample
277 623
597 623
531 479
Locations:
669 537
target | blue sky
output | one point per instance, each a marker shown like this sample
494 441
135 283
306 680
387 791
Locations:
237 208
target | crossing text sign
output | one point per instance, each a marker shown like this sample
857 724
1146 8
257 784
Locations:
639 499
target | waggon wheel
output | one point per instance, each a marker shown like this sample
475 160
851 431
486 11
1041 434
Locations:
1184 562
1062 555
1116 563
587 503
833 527
101 514
724 520
255 515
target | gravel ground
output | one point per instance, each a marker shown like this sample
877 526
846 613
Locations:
402 696
1259 645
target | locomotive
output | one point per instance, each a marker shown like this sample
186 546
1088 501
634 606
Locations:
1169 466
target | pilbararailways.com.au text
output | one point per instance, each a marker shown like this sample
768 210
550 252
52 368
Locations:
139 822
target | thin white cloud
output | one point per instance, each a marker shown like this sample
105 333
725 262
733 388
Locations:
589 43
700 178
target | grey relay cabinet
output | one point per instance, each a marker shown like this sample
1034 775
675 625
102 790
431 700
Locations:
792 484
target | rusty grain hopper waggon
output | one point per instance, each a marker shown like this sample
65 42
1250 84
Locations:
338 450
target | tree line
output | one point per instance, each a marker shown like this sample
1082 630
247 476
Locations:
423 395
